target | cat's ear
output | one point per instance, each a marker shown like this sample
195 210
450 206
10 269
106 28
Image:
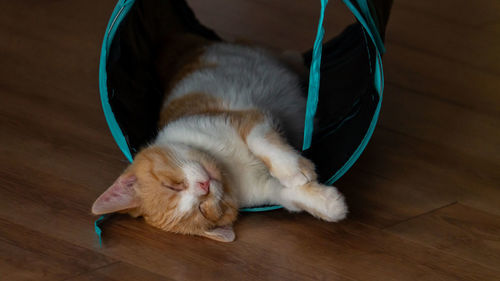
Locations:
119 196
221 234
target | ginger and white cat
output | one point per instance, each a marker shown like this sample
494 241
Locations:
223 145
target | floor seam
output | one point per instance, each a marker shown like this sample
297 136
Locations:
89 271
419 215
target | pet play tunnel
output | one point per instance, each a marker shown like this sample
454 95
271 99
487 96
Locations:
350 77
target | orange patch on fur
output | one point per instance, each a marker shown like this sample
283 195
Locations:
245 120
203 104
188 105
267 162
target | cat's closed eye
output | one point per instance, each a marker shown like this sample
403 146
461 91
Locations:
174 186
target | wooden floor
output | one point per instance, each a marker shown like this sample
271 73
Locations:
424 197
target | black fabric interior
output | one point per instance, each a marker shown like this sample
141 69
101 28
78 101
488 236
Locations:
347 98
134 92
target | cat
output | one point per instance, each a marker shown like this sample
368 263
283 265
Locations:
230 126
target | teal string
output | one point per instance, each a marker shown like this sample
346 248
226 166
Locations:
314 78
97 227
261 209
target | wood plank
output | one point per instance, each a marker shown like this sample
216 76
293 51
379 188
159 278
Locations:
380 201
428 119
492 27
62 139
442 79
470 46
17 264
201 258
475 172
64 55
459 230
78 257
462 12
31 255
79 165
424 157
119 272
354 250
52 210
419 176
49 116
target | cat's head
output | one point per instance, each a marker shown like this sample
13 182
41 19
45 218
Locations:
175 188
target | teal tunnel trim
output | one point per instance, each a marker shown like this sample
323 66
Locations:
314 81
370 28
121 9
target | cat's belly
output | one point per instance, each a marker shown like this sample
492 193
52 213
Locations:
250 179
248 176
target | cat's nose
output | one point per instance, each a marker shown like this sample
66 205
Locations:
205 186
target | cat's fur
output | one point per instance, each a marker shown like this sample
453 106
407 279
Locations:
223 145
